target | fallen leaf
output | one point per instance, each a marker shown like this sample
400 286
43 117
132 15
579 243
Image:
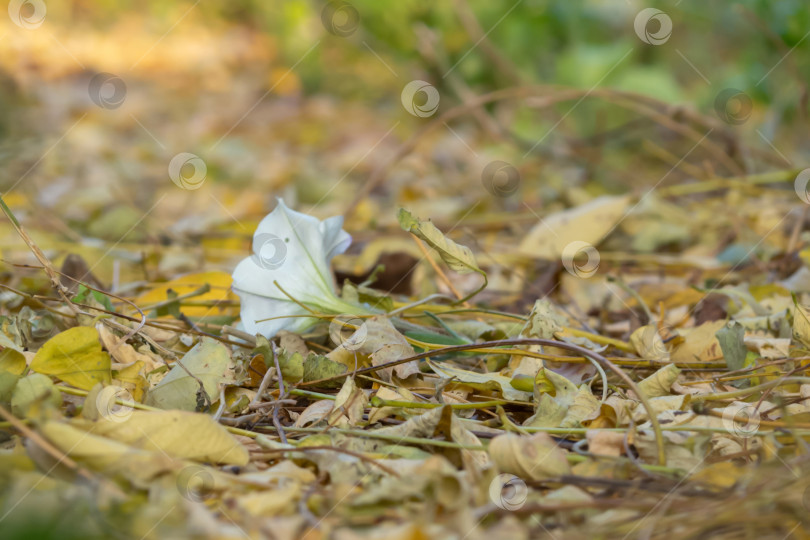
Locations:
31 390
459 258
484 381
660 382
75 357
208 361
586 223
530 458
179 434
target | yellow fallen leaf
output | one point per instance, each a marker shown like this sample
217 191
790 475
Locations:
482 381
801 325
220 290
588 223
700 344
659 383
350 403
178 434
648 343
103 454
530 458
271 502
75 357
722 475
12 358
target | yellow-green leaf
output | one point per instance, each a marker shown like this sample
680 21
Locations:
31 390
208 361
75 357
179 434
459 258
12 359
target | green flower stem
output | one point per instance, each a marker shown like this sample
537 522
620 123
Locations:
308 393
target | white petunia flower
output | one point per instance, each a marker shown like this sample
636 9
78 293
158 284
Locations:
292 250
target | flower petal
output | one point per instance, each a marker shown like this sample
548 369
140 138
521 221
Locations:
294 250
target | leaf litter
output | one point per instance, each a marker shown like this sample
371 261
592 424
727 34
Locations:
434 407
599 366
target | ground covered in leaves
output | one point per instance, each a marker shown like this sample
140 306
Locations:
569 310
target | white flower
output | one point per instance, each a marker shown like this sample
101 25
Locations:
291 250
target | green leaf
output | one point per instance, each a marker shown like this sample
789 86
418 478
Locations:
75 357
31 390
8 381
731 339
435 338
84 293
318 367
291 363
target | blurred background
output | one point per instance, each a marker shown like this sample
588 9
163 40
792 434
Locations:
314 102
